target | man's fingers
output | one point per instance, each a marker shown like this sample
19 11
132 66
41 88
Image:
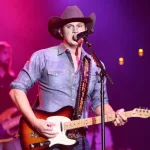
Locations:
121 116
115 123
50 135
49 124
118 121
121 110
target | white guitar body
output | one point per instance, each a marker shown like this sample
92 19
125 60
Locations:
61 137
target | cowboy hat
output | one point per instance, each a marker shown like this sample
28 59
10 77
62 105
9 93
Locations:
71 14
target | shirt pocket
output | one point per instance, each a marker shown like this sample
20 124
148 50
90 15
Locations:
57 78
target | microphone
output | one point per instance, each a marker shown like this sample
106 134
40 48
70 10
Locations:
83 34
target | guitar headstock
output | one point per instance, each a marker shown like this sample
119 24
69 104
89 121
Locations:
142 113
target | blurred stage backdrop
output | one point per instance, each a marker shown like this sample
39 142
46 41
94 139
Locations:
122 28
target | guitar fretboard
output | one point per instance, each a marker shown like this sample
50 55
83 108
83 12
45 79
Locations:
91 121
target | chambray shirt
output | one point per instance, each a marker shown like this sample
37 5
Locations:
53 69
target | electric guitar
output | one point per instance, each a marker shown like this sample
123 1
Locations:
30 139
7 123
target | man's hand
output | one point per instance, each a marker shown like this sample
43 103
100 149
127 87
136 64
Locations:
45 128
120 118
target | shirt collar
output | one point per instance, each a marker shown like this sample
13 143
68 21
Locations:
62 49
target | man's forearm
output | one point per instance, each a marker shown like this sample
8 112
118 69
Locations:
20 99
107 108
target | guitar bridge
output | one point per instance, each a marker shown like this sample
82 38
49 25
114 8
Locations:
41 144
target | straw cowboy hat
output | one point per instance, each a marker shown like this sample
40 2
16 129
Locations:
71 14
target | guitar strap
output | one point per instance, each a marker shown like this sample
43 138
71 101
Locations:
83 87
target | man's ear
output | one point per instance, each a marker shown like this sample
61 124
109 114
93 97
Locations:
60 32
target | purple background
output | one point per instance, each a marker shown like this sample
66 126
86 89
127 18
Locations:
122 27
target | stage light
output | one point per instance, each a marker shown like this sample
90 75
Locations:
121 61
141 52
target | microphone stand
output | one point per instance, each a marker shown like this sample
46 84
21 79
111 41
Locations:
103 73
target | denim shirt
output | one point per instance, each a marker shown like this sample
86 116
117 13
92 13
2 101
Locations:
53 69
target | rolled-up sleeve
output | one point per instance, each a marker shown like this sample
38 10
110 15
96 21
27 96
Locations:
96 96
30 73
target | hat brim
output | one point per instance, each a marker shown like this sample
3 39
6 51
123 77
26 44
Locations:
56 23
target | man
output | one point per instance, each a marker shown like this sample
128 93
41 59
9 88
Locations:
9 119
57 70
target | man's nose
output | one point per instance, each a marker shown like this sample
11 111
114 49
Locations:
75 30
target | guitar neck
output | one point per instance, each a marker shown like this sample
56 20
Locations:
91 121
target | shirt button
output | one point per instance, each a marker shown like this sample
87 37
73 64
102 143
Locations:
73 99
